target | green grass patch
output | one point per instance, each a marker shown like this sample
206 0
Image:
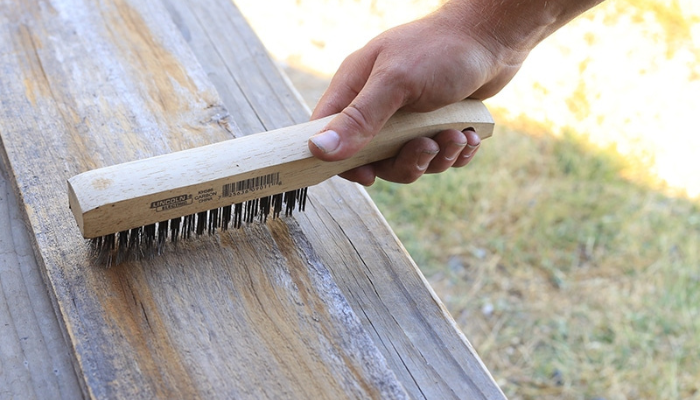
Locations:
571 281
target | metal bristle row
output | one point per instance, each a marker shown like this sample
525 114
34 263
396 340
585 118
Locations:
150 240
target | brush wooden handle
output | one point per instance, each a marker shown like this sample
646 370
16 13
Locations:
142 192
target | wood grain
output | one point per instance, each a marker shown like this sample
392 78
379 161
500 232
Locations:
240 315
422 344
249 314
35 361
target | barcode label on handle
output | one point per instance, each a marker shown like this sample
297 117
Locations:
250 185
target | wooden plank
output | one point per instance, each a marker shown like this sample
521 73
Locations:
408 322
412 328
252 313
35 362
377 322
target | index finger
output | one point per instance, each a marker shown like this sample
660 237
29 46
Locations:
346 83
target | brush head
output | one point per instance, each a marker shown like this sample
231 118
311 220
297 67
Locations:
148 241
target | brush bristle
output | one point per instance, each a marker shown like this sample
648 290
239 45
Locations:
149 241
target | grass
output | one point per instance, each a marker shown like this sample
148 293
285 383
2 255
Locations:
573 272
571 281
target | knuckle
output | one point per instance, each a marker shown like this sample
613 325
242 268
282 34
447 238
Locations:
358 121
400 77
397 74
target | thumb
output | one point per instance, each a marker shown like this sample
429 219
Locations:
350 130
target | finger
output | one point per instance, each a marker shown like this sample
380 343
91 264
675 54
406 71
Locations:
457 149
451 142
359 122
347 82
363 175
411 162
473 144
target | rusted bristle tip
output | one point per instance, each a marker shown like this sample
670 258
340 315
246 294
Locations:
150 240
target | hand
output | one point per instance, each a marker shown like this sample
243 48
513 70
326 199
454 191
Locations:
420 66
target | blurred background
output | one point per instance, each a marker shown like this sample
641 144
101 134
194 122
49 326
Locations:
568 251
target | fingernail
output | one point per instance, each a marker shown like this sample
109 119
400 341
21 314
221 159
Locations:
327 141
470 150
424 160
454 150
471 147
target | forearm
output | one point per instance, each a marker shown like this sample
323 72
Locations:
517 25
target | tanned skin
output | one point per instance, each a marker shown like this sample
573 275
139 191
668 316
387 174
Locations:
465 49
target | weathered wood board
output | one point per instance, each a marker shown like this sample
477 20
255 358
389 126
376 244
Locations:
35 362
424 347
251 313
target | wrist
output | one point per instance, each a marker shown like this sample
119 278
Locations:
511 25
